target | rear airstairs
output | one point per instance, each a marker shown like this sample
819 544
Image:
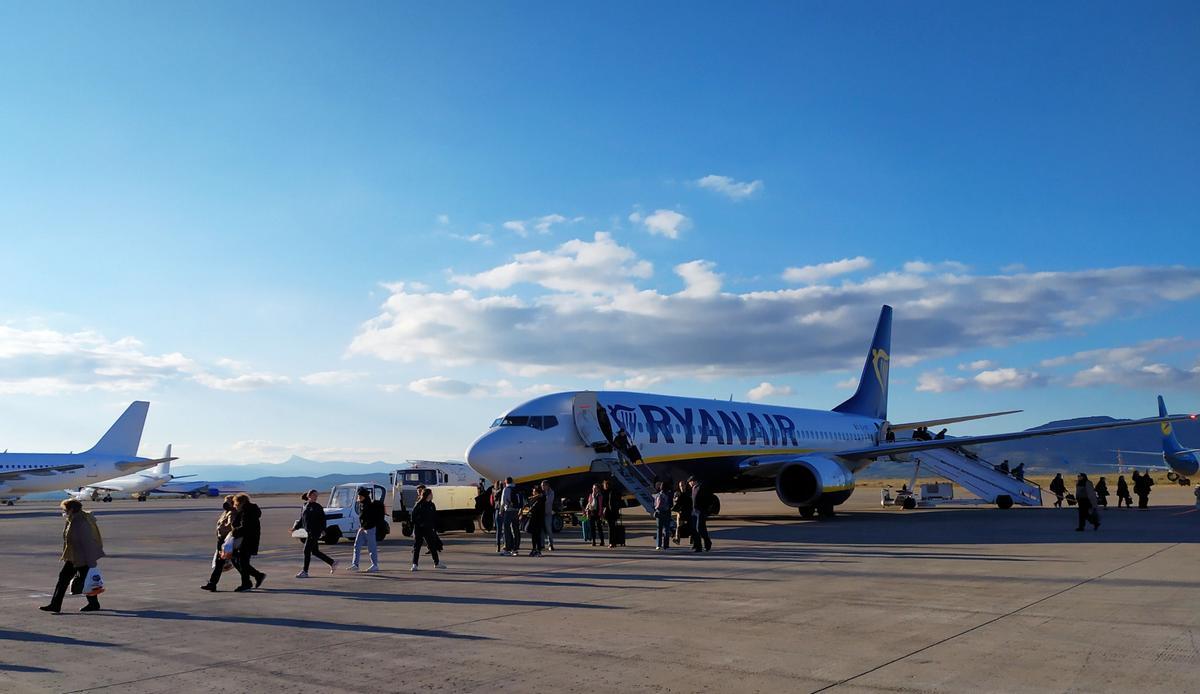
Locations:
979 477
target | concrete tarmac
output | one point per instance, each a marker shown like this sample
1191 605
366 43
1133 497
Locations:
938 600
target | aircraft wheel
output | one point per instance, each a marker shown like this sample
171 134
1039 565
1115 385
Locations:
909 503
141 498
826 511
1004 501
332 535
469 526
107 499
556 524
1172 477
715 509
807 512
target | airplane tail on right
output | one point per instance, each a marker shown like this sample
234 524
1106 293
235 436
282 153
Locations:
164 468
1169 442
125 435
871 397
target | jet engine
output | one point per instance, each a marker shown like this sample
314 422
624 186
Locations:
814 482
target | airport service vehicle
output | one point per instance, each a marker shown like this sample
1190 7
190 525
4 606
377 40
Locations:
341 514
1180 463
113 455
453 493
139 485
808 457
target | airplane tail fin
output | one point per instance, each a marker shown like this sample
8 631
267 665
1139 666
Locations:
125 435
164 468
1169 442
870 399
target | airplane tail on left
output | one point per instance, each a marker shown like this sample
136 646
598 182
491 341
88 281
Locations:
125 435
872 395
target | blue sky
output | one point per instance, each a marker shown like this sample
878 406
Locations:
211 206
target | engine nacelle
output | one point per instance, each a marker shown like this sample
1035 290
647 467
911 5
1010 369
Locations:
814 480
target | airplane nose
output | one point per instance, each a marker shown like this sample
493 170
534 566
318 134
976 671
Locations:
483 457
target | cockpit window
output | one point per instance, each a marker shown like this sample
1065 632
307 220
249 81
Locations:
549 421
539 422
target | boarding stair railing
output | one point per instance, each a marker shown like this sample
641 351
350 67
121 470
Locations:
980 477
632 477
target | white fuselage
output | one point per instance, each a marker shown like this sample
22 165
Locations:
678 437
137 483
94 469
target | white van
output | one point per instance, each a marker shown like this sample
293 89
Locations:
341 513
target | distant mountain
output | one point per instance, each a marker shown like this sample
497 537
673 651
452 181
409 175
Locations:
292 467
324 483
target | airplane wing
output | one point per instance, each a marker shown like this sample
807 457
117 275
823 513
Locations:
14 475
180 477
1157 453
914 446
949 420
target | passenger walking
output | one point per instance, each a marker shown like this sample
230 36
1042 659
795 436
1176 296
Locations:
247 533
1123 493
510 506
682 508
1085 498
1102 492
498 515
623 443
662 517
82 549
612 511
424 519
370 517
595 514
1059 488
701 504
1141 487
548 526
312 519
536 521
1019 471
224 530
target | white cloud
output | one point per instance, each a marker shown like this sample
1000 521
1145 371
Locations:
668 223
990 379
481 238
1134 366
41 361
444 387
542 225
591 316
764 391
600 266
939 382
332 378
811 274
922 267
734 190
443 219
699 279
847 384
977 365
635 382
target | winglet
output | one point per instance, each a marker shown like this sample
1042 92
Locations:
125 435
870 399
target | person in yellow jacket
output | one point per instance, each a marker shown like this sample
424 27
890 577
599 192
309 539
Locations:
82 548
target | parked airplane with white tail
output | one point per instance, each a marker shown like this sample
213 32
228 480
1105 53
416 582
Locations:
114 454
809 457
138 485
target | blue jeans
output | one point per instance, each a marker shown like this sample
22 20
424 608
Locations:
510 530
662 533
366 537
499 524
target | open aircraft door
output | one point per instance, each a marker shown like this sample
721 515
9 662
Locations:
592 421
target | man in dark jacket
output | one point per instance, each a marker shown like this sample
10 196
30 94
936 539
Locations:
682 508
612 510
701 506
82 548
370 517
312 519
1141 487
247 528
1059 488
424 520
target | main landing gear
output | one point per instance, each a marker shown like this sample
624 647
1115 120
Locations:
822 511
1183 481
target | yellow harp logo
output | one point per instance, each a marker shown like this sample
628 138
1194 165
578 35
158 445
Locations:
880 361
1166 428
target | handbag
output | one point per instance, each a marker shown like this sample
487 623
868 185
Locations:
94 583
227 546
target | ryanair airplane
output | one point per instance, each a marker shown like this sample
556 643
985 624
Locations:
809 457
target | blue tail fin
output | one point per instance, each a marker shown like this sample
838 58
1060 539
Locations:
870 399
1169 442
125 435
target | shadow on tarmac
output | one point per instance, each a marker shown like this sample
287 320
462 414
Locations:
445 599
33 636
4 667
292 623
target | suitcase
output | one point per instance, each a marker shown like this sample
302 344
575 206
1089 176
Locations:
617 535
587 530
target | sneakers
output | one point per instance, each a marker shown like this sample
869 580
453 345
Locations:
209 587
90 607
259 579
241 589
658 548
372 569
439 565
49 608
414 567
354 567
333 566
302 574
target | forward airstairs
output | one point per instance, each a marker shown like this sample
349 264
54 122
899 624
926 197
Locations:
632 477
978 476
